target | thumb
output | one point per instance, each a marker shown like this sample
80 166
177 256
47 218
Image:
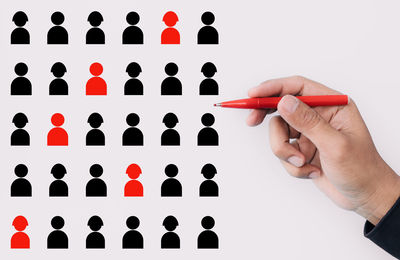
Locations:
308 122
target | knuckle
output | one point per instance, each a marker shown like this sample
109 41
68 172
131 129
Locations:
298 78
310 119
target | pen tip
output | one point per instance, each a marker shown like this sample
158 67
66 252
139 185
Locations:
217 104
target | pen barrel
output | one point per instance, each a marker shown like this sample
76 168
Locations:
325 100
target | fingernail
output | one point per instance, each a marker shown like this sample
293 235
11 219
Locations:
314 175
289 103
295 160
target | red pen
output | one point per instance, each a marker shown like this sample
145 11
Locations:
272 102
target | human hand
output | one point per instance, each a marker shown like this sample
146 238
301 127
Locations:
331 145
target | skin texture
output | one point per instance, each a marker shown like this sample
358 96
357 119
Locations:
330 145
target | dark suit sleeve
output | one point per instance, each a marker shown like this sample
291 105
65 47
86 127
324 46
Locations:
386 233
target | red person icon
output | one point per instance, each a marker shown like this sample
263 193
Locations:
170 35
96 85
20 240
57 136
133 188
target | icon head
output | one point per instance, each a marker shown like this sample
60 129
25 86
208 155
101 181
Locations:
170 18
57 222
132 18
20 18
133 69
132 119
208 18
171 69
57 18
96 69
208 171
132 222
21 69
58 69
20 120
170 120
208 69
207 222
20 223
57 119
96 170
58 171
207 119
95 223
170 223
95 120
21 170
171 170
95 18
133 171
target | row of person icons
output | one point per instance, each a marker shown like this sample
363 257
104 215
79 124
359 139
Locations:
133 34
96 85
132 239
96 187
132 136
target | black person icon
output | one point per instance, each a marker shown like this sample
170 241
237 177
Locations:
209 188
207 136
20 35
132 135
170 136
208 86
58 86
132 34
207 239
95 136
95 240
95 35
20 137
21 187
208 34
57 34
171 187
57 239
58 188
96 187
133 86
171 85
21 85
170 240
132 239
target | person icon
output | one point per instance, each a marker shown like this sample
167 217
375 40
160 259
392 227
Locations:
21 85
170 136
57 136
95 136
207 239
57 34
208 86
58 188
96 187
20 240
96 85
170 240
132 136
58 86
20 137
133 188
57 239
209 188
170 35
133 86
171 85
95 35
171 187
132 239
132 34
208 34
95 240
207 136
21 187
20 35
